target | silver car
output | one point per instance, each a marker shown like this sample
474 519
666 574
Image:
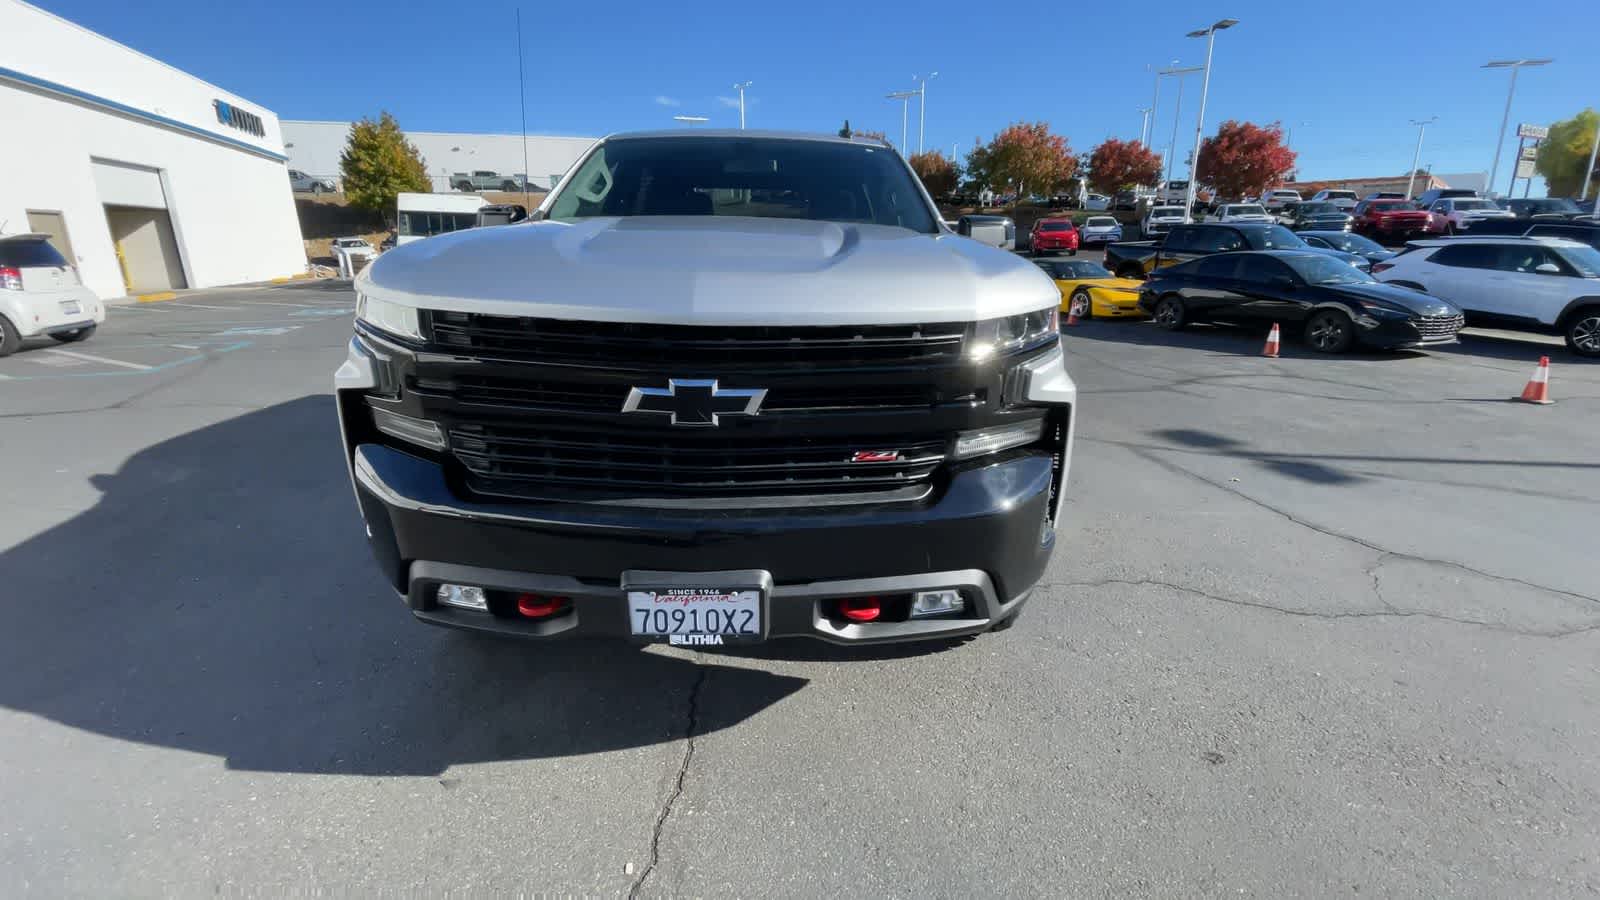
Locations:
301 183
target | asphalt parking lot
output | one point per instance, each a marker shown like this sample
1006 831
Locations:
1317 626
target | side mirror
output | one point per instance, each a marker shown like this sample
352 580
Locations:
1547 269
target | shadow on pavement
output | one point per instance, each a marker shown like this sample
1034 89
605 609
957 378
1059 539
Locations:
220 599
1300 467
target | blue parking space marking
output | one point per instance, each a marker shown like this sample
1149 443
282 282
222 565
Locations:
318 313
127 373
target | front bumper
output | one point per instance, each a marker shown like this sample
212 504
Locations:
988 531
1397 334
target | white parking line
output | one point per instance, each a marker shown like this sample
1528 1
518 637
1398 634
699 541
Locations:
99 359
270 303
200 306
185 346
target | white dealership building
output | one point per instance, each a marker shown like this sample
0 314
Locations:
315 147
147 178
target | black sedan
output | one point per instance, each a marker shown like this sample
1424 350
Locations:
1318 217
1344 241
1336 304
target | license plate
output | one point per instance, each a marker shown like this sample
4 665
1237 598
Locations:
70 307
696 615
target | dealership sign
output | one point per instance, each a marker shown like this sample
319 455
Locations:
1537 132
234 117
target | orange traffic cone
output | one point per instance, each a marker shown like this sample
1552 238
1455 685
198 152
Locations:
1072 317
1538 389
1270 351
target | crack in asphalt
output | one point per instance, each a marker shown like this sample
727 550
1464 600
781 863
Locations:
1361 542
677 786
1390 613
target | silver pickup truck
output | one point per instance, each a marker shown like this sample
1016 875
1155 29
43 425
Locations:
483 180
725 387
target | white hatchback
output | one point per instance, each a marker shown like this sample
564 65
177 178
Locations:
1531 284
40 293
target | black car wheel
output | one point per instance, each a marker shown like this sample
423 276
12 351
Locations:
1170 313
1583 331
1079 306
75 335
10 338
1330 331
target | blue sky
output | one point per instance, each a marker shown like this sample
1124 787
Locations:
1345 77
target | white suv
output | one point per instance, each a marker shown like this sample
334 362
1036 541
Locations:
40 294
1345 200
1274 200
1460 213
1535 284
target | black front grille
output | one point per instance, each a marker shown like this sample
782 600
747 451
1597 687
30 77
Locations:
1435 328
554 394
633 345
516 458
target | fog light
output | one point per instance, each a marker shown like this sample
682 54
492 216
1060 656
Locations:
936 603
993 440
462 596
416 431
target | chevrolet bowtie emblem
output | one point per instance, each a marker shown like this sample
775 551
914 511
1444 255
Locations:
698 402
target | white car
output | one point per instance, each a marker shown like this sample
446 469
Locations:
1096 202
354 246
1162 219
1461 212
301 182
1174 192
1274 200
1345 200
1099 230
1539 284
1241 213
40 293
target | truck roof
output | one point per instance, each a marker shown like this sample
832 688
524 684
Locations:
742 133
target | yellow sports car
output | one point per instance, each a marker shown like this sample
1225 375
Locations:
1087 289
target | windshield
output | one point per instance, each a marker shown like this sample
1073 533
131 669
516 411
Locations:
1546 206
26 253
1341 195
1100 221
1278 237
1055 226
1475 204
1064 270
1249 210
1391 207
775 178
1311 208
1177 185
1327 270
1585 259
1164 211
1352 243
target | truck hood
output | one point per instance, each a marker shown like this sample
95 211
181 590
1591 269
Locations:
699 270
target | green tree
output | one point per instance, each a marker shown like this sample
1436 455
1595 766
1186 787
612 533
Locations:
378 163
1564 154
937 173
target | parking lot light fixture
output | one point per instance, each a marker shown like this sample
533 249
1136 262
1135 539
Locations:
1210 34
1411 177
690 120
1515 65
740 88
905 104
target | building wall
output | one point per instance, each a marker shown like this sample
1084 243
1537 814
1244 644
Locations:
70 97
315 147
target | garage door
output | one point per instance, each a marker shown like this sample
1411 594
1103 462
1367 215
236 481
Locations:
124 184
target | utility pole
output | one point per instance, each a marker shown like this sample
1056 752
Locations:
922 117
1583 192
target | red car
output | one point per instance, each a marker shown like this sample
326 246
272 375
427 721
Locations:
1054 235
1394 220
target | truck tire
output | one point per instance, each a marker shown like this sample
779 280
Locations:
10 338
509 187
464 187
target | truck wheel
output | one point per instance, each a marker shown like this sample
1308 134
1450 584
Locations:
316 190
76 335
10 338
464 187
1170 313
1583 332
508 186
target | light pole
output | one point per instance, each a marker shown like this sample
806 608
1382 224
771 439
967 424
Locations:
690 120
905 103
1514 65
1422 126
1155 105
1144 124
740 88
922 116
1177 113
1210 34
1583 192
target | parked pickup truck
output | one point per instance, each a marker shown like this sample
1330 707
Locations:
715 423
488 181
1137 259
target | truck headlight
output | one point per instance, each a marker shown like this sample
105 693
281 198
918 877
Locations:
386 315
993 337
